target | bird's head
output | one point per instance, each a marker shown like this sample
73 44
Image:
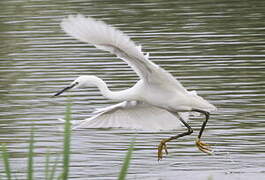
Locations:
80 82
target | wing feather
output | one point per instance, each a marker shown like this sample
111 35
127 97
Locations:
133 115
108 38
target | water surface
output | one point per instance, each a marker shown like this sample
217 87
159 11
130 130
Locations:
215 48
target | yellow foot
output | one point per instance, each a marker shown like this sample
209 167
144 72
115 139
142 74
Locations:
162 146
203 147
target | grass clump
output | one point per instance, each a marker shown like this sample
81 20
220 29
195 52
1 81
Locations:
51 169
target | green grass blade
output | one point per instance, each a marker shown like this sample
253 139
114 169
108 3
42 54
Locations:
126 162
30 156
67 139
47 163
5 157
53 170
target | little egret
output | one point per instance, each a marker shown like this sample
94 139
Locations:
155 102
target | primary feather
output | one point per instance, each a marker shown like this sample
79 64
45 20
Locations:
108 38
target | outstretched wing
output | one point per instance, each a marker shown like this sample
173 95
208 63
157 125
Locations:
132 115
110 39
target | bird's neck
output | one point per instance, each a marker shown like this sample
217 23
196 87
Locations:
107 93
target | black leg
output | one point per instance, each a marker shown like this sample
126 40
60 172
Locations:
201 145
207 115
190 130
163 145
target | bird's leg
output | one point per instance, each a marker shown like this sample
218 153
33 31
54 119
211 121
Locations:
201 145
163 146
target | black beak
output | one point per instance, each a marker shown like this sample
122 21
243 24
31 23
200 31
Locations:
65 89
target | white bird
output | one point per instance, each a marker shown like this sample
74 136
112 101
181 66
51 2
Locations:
157 101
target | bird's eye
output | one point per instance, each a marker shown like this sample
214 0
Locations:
76 83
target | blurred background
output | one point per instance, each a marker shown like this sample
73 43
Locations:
213 47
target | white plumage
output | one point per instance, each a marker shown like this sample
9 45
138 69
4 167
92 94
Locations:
129 114
106 38
155 102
